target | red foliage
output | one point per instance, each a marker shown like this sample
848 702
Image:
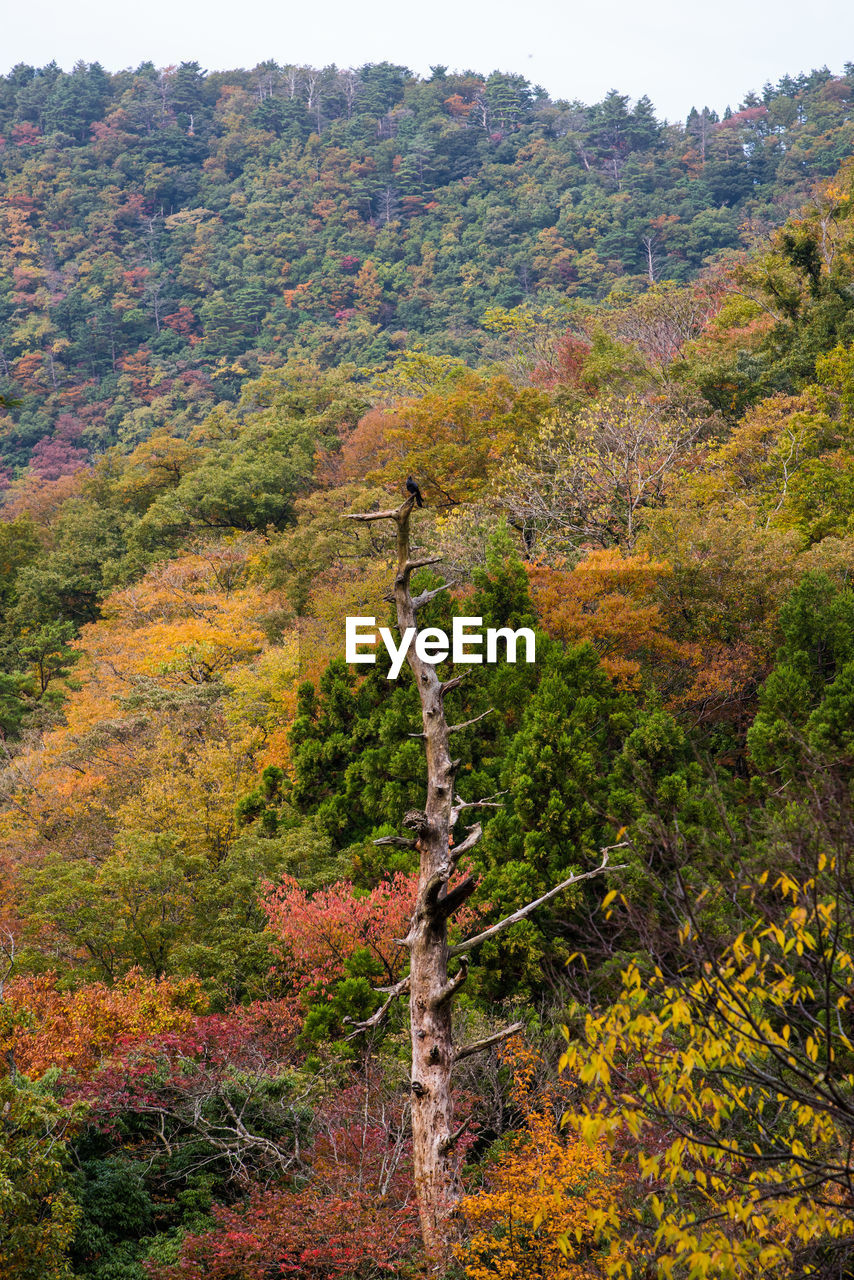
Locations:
748 116
565 367
310 1235
61 454
355 1218
319 932
183 322
144 1069
212 1091
25 134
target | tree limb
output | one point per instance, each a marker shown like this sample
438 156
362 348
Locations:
479 1046
462 947
451 987
453 683
455 728
426 596
372 515
411 565
489 802
448 1144
455 898
474 834
375 1019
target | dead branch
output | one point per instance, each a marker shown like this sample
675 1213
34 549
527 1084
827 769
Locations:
426 596
480 1046
399 989
448 1144
452 986
412 565
454 899
489 802
521 914
373 515
466 724
453 683
474 834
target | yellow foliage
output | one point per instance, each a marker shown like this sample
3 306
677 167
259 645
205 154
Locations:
162 734
728 1094
190 792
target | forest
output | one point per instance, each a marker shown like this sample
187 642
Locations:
237 310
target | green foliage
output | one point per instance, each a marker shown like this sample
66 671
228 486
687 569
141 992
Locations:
807 697
116 1210
38 1212
554 820
330 212
154 905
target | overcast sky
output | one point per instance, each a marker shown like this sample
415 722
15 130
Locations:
680 52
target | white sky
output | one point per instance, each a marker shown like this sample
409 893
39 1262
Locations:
680 52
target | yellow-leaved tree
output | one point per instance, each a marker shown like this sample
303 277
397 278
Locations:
734 1088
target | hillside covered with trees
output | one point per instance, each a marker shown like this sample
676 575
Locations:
166 234
618 357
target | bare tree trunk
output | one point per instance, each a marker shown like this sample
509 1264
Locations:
431 989
436 1177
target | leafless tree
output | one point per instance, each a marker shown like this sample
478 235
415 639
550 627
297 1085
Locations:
430 984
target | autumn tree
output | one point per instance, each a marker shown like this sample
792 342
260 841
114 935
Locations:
38 1213
546 1194
588 479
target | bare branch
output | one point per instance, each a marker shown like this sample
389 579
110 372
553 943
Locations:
454 899
399 989
455 728
521 914
372 515
453 683
426 596
488 802
411 565
479 1046
400 842
474 834
452 987
448 1144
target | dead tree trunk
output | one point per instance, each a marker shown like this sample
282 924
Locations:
430 986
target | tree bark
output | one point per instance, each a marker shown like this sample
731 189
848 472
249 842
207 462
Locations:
430 986
431 989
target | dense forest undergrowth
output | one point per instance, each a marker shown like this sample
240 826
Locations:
618 356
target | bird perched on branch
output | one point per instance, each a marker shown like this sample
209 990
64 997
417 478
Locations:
412 488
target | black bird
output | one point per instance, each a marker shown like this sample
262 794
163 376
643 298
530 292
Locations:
412 487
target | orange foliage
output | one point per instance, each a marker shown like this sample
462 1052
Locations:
624 606
609 600
366 447
41 499
75 1030
141 734
545 1197
452 439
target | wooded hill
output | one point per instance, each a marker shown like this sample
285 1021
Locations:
167 233
652 466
